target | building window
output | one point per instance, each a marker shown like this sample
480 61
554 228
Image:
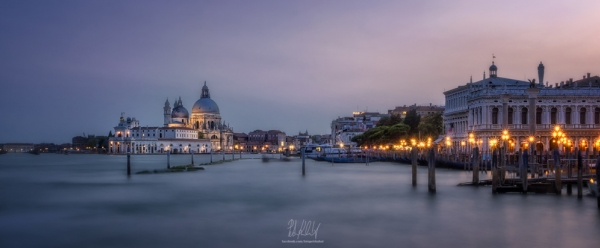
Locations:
582 113
495 116
524 116
553 114
510 115
568 116
538 116
597 116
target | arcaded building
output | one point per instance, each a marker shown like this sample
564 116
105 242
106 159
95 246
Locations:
532 110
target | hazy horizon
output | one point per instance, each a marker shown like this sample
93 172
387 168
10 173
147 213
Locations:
71 67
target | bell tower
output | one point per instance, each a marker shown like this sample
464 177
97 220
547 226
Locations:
167 113
541 73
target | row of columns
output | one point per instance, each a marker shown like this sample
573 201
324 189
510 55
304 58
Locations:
484 115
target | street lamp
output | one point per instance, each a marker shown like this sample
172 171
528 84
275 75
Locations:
448 144
471 138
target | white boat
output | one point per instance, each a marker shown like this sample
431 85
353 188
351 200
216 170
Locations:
324 150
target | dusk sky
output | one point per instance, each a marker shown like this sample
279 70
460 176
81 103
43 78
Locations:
69 67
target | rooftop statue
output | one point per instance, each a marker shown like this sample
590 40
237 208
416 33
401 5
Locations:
531 83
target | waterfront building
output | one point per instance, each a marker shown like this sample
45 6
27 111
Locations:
300 140
17 147
267 141
202 132
240 140
525 109
343 129
422 110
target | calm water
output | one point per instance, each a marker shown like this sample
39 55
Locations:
87 201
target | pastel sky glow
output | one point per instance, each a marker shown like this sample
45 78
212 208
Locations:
69 67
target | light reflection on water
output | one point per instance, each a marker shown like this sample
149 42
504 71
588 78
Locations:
88 201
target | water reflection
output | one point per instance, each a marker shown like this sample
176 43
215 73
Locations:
88 201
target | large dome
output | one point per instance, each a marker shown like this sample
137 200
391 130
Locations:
205 106
180 112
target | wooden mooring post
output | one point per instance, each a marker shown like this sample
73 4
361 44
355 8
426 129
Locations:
192 152
128 164
413 160
503 162
557 171
431 160
475 166
524 164
495 178
169 159
211 155
569 175
598 178
303 165
579 175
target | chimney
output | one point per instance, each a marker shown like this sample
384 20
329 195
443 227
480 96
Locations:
556 85
588 75
562 83
570 80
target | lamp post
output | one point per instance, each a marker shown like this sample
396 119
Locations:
505 138
449 146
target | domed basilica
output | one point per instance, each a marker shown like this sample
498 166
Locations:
202 132
205 118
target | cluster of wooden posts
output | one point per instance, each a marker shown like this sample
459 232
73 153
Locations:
498 160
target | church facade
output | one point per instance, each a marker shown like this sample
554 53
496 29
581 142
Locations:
527 110
202 132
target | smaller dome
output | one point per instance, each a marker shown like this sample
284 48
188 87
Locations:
493 67
180 112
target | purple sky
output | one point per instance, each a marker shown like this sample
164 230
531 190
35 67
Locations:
73 67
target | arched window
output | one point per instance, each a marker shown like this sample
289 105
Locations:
495 116
160 135
538 116
582 113
597 116
553 114
568 116
524 116
510 115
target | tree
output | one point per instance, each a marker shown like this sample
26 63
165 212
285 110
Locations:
382 135
431 125
412 119
390 121
200 135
